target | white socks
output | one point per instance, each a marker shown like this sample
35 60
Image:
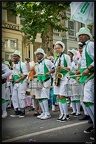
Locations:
45 103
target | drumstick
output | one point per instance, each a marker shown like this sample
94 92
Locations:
65 69
75 75
89 78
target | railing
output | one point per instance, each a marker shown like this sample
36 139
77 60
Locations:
11 26
74 38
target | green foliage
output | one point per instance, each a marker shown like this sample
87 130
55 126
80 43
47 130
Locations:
37 17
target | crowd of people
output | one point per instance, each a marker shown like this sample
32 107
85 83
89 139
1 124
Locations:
43 84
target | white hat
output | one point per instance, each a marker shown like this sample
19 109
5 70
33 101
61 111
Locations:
85 31
40 50
61 43
7 63
17 53
72 51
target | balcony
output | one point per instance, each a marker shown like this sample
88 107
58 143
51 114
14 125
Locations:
11 26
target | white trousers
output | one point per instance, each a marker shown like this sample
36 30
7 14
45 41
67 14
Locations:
3 91
89 91
19 95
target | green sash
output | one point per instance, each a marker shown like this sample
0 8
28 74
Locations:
16 77
65 65
88 62
42 77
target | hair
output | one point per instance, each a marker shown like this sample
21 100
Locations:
71 53
59 44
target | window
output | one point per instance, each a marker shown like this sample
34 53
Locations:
71 25
90 28
11 43
56 33
11 18
8 56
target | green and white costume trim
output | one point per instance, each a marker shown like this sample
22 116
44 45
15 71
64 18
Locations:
66 62
42 68
86 60
19 89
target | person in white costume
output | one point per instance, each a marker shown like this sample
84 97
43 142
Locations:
9 87
5 73
62 61
44 69
85 116
20 85
30 98
87 71
75 100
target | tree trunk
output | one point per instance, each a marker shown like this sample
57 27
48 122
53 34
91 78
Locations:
50 44
47 41
44 37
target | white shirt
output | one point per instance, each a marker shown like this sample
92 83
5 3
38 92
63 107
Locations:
67 58
6 71
16 68
48 64
90 51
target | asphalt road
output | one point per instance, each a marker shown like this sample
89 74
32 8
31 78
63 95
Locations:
31 129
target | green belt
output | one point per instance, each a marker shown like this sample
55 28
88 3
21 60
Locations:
42 77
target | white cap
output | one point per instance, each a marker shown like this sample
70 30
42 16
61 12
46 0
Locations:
61 43
40 50
85 31
71 51
16 52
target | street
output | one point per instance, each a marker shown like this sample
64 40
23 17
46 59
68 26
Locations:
31 129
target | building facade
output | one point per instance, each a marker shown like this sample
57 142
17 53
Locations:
13 39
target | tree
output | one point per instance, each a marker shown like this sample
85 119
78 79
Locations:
40 17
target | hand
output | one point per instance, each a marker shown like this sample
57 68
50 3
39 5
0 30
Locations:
86 72
59 68
47 74
77 72
34 76
17 81
11 80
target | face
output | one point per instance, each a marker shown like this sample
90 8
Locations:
39 56
16 58
71 55
80 49
83 38
58 48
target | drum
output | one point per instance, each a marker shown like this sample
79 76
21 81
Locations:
76 89
35 85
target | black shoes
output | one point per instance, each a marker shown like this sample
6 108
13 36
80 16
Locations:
22 114
72 114
77 115
19 113
63 118
89 130
84 117
16 114
60 117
